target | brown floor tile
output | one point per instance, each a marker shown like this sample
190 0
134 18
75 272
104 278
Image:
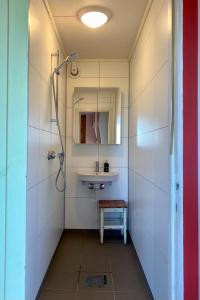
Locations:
129 281
95 264
132 296
66 264
56 295
80 254
118 251
124 264
61 280
91 249
91 234
82 285
69 249
95 295
71 245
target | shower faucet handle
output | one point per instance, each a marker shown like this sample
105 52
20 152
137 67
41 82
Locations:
51 154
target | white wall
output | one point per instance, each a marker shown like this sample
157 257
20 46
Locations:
149 202
81 204
45 206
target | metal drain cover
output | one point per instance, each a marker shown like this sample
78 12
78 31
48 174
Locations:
98 281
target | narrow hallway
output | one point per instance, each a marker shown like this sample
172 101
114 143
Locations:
79 255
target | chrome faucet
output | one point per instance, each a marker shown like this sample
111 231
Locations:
97 167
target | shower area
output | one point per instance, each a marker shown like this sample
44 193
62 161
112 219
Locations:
119 109
46 141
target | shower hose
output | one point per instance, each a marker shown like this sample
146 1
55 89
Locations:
61 155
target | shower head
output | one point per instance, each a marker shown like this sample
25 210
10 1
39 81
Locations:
69 58
72 56
79 99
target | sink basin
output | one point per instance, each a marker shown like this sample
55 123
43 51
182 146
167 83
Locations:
100 177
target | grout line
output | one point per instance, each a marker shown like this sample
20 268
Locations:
151 80
41 181
149 181
44 130
150 131
113 287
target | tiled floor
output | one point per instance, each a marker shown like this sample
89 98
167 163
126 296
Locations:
80 254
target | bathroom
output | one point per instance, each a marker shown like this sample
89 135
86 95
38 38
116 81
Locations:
97 96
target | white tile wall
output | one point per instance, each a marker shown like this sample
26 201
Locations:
114 69
91 71
149 160
45 206
81 205
81 213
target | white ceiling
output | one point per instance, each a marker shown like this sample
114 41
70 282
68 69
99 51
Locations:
112 41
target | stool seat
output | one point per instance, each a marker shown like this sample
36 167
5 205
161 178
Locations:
113 206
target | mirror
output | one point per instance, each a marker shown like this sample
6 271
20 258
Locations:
97 115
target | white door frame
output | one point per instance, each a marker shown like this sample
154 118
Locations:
177 272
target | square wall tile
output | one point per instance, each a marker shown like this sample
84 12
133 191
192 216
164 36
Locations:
80 156
34 97
75 188
33 156
119 188
116 155
47 108
114 69
162 221
81 213
143 155
32 221
161 159
88 68
46 166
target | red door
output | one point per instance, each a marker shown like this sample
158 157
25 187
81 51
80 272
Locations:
190 148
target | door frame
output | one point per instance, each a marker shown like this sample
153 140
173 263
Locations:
185 261
177 270
13 131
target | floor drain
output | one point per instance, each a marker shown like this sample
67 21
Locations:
98 281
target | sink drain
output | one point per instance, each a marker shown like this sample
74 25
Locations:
98 281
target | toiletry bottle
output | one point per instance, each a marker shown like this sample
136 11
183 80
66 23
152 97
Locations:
106 166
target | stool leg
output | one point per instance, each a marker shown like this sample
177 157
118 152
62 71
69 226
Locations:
102 225
121 222
125 226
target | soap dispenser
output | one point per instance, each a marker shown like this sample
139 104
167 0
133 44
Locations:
106 166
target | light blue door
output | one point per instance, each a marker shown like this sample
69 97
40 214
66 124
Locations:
13 146
3 130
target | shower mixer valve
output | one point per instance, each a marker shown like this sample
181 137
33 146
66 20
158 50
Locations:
51 155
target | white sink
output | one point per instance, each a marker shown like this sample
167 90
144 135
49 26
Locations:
97 177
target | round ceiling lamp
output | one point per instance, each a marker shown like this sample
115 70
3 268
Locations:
94 17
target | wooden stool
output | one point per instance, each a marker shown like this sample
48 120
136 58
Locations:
118 206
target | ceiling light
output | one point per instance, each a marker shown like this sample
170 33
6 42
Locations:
94 17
